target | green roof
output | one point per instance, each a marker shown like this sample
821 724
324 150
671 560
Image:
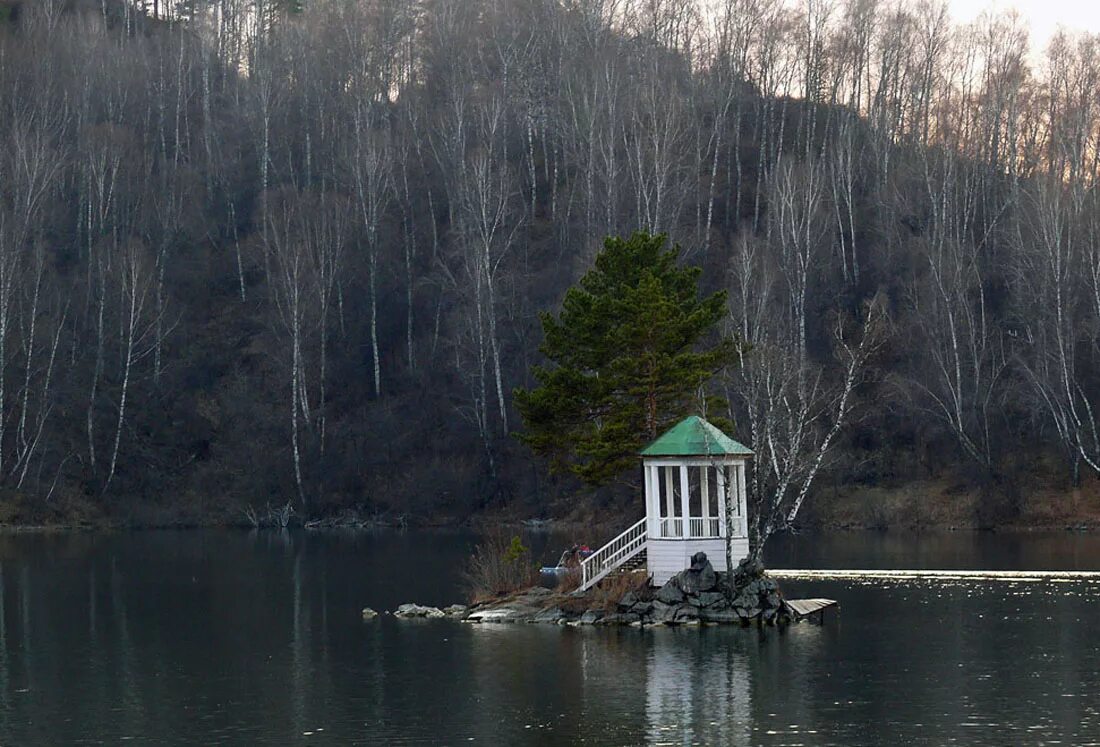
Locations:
694 436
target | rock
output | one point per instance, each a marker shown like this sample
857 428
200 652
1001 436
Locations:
747 570
699 577
407 611
590 617
711 598
746 598
686 613
455 610
715 615
551 615
369 614
492 615
670 594
662 612
628 601
624 618
642 608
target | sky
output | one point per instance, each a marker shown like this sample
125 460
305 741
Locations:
1042 16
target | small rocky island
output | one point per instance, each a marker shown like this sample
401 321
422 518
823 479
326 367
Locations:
696 596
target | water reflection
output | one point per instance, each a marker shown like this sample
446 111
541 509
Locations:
226 638
697 688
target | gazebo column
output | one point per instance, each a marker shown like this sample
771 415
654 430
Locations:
723 530
653 500
704 497
684 503
670 510
648 479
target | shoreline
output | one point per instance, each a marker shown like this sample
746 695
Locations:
542 526
932 506
696 596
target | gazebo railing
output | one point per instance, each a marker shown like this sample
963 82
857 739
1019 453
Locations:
697 526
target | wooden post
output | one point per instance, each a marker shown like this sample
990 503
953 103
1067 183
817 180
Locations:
704 497
670 509
723 527
686 525
648 498
654 484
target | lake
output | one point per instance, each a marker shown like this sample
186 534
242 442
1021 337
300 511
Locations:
211 637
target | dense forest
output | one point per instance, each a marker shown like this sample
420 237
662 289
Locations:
260 252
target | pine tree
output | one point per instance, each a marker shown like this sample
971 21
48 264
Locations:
631 350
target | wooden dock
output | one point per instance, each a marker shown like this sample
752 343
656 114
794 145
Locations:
803 608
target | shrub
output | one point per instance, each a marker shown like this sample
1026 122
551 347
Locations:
569 581
499 565
606 594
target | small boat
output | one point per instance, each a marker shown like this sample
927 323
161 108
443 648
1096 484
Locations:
569 561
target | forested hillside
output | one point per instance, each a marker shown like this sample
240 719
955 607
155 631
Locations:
255 252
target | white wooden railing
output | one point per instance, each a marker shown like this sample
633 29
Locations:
698 527
612 555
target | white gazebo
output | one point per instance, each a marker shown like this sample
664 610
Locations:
693 474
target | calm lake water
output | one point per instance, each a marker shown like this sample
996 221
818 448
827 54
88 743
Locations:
237 638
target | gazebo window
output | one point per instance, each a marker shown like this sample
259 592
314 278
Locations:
700 515
671 505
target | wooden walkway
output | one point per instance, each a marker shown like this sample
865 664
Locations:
932 575
803 608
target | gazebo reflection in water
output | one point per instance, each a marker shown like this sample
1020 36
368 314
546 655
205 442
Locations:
696 692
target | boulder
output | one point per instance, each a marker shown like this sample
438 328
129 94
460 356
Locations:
591 617
717 615
662 612
711 598
747 613
492 615
670 593
624 618
699 577
685 613
551 615
369 614
628 601
746 571
746 599
642 608
455 610
407 611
